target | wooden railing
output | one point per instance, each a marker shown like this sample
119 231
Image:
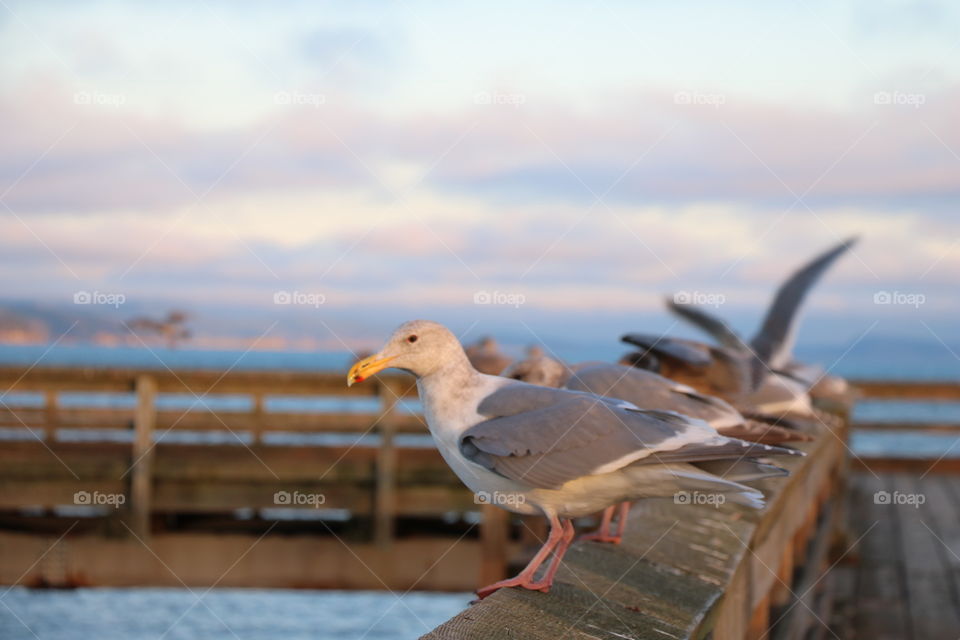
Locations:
153 471
163 483
928 392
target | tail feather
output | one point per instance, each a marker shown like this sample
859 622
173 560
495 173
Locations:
699 486
764 432
742 470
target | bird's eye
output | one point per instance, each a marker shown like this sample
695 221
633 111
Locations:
412 339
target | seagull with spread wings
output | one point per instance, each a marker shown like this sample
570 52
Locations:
757 375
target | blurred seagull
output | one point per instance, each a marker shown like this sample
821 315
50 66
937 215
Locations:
555 452
538 368
760 374
486 357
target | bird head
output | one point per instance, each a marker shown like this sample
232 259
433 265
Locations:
419 347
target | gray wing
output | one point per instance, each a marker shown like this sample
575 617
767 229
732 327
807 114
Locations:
554 441
652 391
772 344
669 347
711 324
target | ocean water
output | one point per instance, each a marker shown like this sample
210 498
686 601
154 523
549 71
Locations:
867 358
222 614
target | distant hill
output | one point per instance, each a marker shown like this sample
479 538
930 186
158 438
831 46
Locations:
31 323
17 328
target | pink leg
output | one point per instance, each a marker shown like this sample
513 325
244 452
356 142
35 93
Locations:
602 534
525 578
558 553
622 519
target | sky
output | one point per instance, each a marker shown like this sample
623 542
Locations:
541 169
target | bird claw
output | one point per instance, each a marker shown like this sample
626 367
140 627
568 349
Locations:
524 583
600 537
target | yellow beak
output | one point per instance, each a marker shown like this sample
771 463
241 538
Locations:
366 368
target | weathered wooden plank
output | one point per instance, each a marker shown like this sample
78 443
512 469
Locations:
807 614
428 501
51 412
942 514
32 462
197 382
385 483
204 420
141 463
881 611
568 613
917 466
760 620
842 582
273 561
912 427
907 389
257 418
494 539
934 613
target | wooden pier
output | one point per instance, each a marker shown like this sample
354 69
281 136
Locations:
323 511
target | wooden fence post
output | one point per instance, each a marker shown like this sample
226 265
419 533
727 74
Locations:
494 537
51 404
385 494
256 434
141 479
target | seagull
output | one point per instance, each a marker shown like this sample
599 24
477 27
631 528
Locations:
486 357
559 453
758 374
538 368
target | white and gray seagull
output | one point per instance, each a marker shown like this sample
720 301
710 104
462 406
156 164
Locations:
560 453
